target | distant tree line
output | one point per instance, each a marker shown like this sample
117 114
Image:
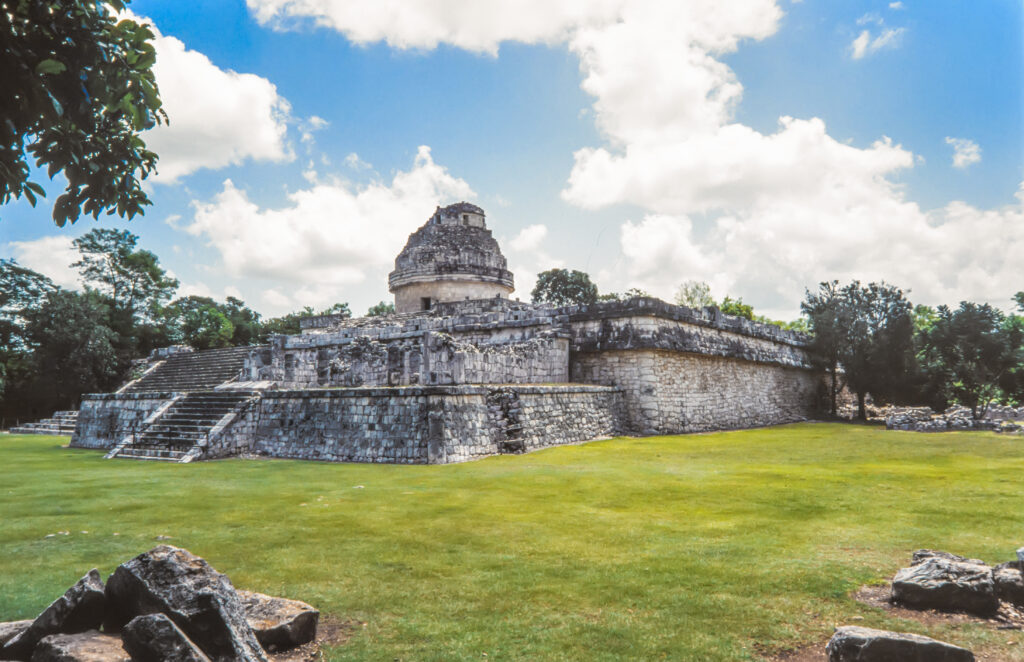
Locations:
872 340
56 344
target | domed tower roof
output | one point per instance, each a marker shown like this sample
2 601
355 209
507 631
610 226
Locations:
456 248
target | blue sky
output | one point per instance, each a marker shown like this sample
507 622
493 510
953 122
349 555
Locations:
641 142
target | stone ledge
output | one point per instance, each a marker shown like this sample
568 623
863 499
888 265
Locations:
421 391
708 317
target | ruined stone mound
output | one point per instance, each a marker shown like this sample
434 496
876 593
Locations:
166 604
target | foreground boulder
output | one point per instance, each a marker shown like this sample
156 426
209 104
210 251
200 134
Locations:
857 644
12 629
78 610
948 585
91 646
1009 583
279 623
201 602
155 638
922 555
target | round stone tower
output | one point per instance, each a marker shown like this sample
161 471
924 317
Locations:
453 257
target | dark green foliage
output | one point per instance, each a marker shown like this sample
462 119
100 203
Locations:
736 307
1012 381
1018 298
78 87
72 348
969 351
245 320
340 308
382 308
827 316
631 293
878 355
198 322
562 287
132 280
869 331
21 290
289 324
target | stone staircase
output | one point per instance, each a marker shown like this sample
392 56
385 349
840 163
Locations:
61 423
193 371
181 433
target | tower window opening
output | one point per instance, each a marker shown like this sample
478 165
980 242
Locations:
425 303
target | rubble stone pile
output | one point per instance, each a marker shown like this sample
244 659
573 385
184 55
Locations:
923 419
165 604
951 583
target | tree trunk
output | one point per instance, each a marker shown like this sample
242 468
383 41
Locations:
862 413
832 395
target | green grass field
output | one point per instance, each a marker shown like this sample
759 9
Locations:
726 546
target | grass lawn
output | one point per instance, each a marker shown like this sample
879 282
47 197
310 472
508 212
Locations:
722 546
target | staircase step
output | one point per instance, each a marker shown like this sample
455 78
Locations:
194 371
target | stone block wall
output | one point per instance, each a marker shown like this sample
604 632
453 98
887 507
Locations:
527 418
420 425
429 358
670 392
105 418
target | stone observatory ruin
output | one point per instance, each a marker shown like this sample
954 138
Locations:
459 371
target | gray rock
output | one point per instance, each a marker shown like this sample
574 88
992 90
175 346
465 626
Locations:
922 555
12 629
1020 555
279 623
155 638
938 583
91 646
857 644
78 610
1009 583
200 601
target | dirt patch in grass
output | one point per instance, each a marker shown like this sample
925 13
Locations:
329 632
1007 618
809 653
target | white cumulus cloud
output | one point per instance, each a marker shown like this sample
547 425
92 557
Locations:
759 215
965 152
328 236
423 24
51 256
218 117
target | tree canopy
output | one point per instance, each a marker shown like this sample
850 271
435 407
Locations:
78 88
382 308
969 352
562 287
694 294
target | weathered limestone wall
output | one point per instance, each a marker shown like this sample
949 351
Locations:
105 418
426 358
670 392
410 297
420 425
527 418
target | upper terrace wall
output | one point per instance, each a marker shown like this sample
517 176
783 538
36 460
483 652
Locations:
654 324
683 370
